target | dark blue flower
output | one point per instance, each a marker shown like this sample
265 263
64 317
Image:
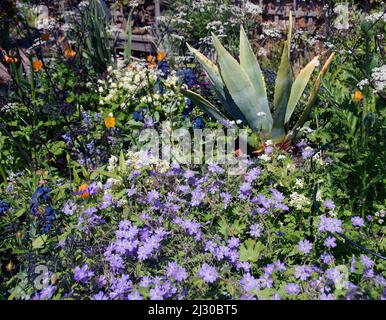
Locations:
188 77
163 66
138 116
198 124
4 207
188 107
49 217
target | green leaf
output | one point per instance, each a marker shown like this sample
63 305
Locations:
127 50
19 213
241 89
39 241
76 176
204 104
298 87
250 250
251 67
283 86
122 164
109 174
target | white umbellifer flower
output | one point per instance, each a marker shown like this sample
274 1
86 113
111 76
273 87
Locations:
298 201
377 16
252 9
281 157
363 83
299 183
265 157
342 20
378 76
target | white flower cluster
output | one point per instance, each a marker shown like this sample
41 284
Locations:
299 201
141 159
378 76
378 79
377 16
124 86
342 20
252 9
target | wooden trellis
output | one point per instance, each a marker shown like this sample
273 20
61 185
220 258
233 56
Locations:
306 13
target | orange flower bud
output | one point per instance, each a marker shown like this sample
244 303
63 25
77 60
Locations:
110 121
83 191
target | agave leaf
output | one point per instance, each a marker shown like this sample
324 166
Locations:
204 104
282 93
283 86
241 89
311 99
251 67
210 68
218 85
298 87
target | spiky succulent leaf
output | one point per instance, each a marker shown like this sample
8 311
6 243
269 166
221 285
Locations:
283 84
298 87
241 89
252 68
204 104
218 84
311 99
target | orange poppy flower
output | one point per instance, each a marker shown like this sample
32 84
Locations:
110 121
37 65
358 96
69 53
152 61
161 56
83 191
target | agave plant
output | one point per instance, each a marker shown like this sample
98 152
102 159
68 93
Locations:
241 89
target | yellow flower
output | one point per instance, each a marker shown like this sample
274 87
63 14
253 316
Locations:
83 191
69 53
161 55
110 121
358 96
37 65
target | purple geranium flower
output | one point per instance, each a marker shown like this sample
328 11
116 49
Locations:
175 271
208 273
357 221
305 246
83 274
